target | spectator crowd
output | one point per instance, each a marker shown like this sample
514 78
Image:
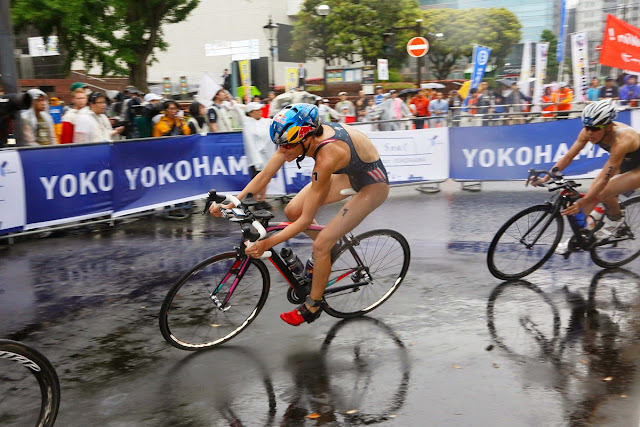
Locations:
131 114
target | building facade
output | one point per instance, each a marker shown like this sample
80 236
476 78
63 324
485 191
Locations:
535 16
216 22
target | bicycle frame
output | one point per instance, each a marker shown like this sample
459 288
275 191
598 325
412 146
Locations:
562 200
242 263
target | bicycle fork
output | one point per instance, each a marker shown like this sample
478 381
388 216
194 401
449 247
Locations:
238 268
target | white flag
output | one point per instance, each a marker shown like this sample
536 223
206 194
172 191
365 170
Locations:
580 61
525 72
208 88
542 53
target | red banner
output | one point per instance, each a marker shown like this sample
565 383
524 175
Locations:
620 45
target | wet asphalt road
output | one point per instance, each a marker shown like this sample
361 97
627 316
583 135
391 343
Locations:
453 347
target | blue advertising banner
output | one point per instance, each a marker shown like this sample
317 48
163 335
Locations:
154 173
66 182
563 24
508 152
480 60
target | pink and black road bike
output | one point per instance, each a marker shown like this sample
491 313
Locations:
219 297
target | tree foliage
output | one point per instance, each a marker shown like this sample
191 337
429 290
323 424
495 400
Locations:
119 35
496 28
353 30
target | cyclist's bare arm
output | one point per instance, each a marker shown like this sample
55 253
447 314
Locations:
315 197
622 146
257 183
264 177
566 160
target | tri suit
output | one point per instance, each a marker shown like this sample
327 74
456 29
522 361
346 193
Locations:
360 173
631 160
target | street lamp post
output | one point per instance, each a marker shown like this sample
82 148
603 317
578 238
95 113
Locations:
323 10
271 30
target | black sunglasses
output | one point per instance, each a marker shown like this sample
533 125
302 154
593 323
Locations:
594 128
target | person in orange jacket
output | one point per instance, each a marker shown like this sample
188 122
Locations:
421 103
547 102
171 123
563 97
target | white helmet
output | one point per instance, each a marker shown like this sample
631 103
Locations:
599 113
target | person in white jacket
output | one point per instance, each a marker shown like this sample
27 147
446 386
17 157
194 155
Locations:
257 144
37 123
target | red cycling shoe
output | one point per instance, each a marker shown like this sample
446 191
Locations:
300 315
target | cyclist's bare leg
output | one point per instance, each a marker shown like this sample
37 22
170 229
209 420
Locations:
618 185
351 214
293 210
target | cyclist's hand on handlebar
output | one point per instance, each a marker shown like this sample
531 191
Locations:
214 209
537 182
256 250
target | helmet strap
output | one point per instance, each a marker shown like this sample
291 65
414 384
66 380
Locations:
303 155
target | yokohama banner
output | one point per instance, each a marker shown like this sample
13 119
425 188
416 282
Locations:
620 45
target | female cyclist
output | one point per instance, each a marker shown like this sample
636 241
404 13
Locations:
344 158
623 144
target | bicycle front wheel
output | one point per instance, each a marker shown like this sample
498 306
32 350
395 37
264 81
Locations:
22 401
620 251
212 303
524 243
378 262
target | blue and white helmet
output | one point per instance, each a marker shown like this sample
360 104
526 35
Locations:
599 113
293 123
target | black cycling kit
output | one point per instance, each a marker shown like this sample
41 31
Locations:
360 173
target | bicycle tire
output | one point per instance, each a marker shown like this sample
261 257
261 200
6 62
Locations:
190 319
621 252
36 364
520 260
386 255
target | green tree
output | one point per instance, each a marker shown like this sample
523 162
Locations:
496 28
119 35
353 30
552 61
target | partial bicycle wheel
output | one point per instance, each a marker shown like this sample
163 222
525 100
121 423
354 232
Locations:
367 369
523 320
385 257
524 242
625 248
29 387
194 313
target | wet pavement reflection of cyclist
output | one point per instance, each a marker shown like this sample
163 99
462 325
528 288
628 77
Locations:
360 376
591 351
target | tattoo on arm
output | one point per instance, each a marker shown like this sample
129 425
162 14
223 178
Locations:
315 176
609 173
344 212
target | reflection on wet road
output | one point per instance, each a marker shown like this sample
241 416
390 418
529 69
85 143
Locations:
454 346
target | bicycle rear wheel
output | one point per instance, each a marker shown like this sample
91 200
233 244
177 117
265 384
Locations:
513 253
625 249
22 401
385 257
194 316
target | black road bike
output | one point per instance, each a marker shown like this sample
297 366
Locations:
527 240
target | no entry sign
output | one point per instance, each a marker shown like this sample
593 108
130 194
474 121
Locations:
418 46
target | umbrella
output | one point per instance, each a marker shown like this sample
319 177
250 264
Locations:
432 86
506 82
254 91
408 91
